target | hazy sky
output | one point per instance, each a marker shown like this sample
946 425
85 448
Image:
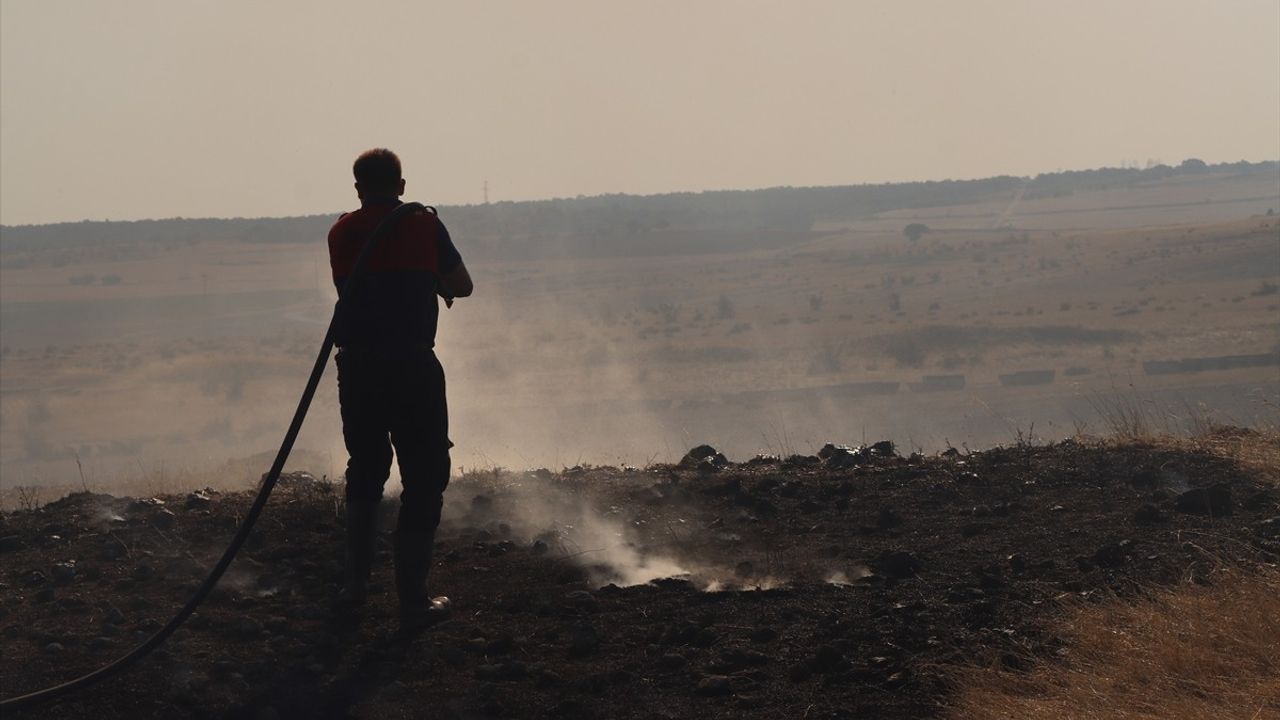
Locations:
130 109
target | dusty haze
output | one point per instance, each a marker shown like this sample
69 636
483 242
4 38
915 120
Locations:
625 330
651 305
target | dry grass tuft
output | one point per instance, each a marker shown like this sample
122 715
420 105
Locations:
1257 451
1193 653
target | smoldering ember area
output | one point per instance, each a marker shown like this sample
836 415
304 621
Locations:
857 582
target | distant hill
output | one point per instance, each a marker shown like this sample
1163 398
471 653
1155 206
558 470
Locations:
598 226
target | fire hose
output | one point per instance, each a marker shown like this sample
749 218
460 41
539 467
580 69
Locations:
264 492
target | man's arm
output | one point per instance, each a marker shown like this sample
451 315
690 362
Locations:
454 280
456 283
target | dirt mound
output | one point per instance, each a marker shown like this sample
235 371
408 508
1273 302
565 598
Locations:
767 589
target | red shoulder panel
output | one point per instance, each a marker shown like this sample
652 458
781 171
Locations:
412 246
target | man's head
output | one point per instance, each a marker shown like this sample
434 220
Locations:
377 174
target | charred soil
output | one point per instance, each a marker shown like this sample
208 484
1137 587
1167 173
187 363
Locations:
849 586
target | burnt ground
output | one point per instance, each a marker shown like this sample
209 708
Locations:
843 591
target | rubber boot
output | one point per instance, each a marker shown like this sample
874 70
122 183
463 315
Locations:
413 565
362 535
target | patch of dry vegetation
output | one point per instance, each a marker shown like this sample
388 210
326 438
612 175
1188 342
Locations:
1127 419
1257 451
1192 653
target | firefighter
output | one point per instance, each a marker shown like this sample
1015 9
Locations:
391 386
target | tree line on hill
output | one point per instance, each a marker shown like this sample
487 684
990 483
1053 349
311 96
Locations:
600 225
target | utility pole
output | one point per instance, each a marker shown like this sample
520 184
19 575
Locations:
486 192
204 302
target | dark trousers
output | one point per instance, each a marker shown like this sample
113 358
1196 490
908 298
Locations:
396 398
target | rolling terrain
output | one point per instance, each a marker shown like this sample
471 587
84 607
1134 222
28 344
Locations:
984 333
166 355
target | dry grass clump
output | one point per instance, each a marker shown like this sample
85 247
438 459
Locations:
1255 450
1126 419
1192 653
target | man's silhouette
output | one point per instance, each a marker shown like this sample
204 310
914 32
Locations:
390 385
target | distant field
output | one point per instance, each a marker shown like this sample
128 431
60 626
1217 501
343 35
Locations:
1012 311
